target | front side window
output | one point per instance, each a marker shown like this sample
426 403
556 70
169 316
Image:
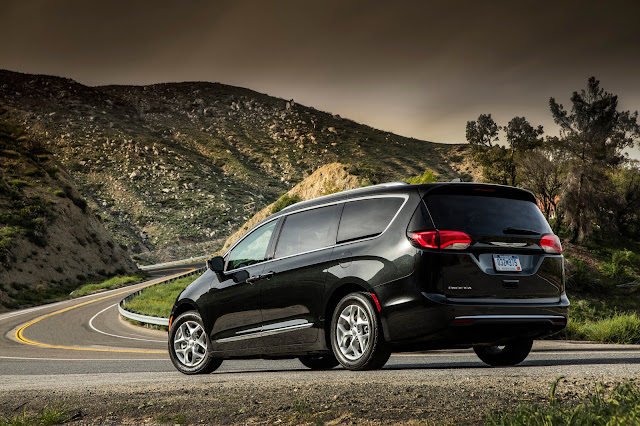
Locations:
308 230
253 248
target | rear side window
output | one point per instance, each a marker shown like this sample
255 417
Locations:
482 215
367 218
308 230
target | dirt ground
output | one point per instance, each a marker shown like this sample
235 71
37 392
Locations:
408 401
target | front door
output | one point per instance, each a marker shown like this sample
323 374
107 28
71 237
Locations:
236 297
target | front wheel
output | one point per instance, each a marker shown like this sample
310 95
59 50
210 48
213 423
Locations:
189 345
510 354
356 334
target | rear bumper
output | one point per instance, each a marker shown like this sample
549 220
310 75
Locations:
433 321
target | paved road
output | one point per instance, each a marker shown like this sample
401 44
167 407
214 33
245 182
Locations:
83 341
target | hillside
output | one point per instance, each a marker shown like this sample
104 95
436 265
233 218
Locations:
177 164
48 236
330 178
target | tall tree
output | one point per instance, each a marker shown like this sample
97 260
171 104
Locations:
521 137
482 132
595 135
543 172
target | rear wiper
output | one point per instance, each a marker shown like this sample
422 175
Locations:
520 231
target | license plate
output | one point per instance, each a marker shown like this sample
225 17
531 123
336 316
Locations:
507 262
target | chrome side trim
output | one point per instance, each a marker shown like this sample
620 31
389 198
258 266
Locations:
405 196
265 333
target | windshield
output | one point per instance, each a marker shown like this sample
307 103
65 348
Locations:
482 215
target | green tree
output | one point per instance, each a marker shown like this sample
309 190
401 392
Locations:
543 172
594 134
521 137
482 132
625 200
499 163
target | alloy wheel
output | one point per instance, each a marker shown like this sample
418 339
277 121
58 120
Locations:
190 344
352 332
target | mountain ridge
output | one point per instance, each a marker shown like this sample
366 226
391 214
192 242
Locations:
174 164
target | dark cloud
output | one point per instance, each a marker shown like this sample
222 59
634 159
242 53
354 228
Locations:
417 68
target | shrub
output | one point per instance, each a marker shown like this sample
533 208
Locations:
285 201
60 193
19 183
34 172
624 265
427 177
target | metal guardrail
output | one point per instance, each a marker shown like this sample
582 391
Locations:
176 262
147 319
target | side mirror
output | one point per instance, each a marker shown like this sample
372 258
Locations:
216 264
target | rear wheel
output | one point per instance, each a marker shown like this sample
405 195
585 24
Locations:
356 334
510 354
189 345
319 362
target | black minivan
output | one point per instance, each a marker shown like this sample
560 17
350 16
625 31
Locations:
350 277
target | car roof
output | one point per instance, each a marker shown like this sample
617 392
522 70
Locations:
403 188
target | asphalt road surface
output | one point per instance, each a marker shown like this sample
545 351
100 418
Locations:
82 341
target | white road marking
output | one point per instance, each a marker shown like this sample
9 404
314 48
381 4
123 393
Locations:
117 335
19 358
62 302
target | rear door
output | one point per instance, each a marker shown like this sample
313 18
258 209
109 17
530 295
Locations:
292 290
505 259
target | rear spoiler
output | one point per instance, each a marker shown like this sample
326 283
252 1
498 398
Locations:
477 189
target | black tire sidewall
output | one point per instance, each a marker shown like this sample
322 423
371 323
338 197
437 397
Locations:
376 341
512 354
319 362
208 364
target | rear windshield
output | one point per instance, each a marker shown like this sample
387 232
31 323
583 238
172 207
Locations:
482 215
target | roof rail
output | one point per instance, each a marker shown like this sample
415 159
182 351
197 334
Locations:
349 191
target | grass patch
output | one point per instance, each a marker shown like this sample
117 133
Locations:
45 416
620 328
157 300
620 406
111 283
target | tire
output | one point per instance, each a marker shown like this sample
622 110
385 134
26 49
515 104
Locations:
189 346
367 350
319 362
510 354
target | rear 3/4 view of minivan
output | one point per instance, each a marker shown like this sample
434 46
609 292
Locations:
351 277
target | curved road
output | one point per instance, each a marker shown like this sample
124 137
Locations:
85 336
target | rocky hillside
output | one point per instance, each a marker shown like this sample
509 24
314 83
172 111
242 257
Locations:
176 164
48 236
330 178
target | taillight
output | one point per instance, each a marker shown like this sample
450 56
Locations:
455 240
427 239
551 244
450 240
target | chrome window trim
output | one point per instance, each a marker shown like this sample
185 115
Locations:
405 196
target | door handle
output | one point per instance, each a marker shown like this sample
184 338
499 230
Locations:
253 279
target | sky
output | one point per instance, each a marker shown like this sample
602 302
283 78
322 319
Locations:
416 68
